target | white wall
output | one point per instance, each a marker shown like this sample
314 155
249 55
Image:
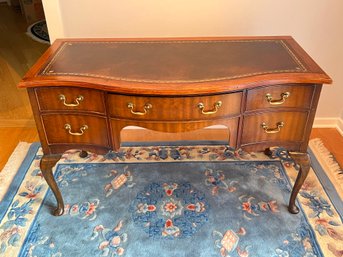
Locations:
316 24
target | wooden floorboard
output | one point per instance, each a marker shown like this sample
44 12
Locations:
9 139
18 52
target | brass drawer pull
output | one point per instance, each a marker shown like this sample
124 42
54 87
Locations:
146 109
77 100
268 130
216 106
82 130
284 96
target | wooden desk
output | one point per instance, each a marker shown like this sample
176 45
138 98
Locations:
84 91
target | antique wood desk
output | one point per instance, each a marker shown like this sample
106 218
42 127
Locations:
84 91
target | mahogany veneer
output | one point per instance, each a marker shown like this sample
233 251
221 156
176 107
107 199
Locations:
84 91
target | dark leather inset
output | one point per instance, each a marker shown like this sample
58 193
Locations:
173 61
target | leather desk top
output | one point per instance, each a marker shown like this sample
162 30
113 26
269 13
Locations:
125 65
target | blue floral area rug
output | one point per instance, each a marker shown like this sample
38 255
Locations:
168 201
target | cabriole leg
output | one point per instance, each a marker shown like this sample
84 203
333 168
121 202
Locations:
46 164
303 159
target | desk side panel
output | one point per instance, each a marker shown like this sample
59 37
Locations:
39 125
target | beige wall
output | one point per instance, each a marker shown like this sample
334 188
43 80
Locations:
316 24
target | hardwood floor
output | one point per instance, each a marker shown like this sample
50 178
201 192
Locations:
9 139
18 52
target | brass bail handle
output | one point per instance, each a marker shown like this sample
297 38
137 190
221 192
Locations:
268 130
216 106
283 98
146 108
77 100
82 130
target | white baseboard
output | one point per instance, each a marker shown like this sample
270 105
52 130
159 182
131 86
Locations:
325 122
340 126
333 122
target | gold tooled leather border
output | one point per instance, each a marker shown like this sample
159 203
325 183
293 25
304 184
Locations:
48 72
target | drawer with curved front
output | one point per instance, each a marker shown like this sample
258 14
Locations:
174 108
280 96
70 99
75 129
274 126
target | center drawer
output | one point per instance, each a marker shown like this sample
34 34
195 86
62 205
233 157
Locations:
174 108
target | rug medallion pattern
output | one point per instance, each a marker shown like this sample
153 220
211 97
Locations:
169 201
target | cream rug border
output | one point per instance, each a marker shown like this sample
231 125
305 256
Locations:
13 164
328 163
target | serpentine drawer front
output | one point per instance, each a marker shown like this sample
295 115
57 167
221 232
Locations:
83 92
174 108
